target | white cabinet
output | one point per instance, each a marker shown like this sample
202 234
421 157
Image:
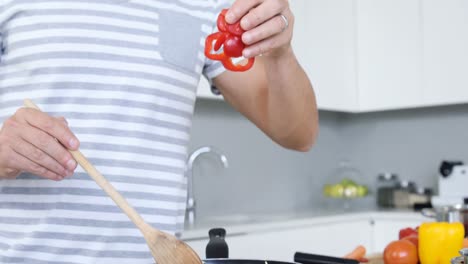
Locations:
445 26
282 244
386 231
361 55
320 239
389 54
334 236
199 246
324 43
371 55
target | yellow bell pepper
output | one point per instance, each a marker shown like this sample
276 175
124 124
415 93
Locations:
439 242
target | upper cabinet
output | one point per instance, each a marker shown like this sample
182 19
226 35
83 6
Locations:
324 43
445 71
389 54
372 55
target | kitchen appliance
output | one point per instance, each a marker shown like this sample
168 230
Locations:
395 193
463 259
386 186
451 205
407 195
456 213
452 183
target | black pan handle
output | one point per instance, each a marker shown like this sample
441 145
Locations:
305 258
217 246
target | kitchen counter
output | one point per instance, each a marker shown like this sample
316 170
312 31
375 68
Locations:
250 224
325 232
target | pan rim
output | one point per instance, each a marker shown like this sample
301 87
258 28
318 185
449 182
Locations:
266 261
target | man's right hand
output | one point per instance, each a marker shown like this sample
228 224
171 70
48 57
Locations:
32 141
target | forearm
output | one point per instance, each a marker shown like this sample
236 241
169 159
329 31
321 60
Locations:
291 113
276 95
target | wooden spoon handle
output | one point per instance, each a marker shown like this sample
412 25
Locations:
102 182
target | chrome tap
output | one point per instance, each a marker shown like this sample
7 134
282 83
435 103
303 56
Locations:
190 211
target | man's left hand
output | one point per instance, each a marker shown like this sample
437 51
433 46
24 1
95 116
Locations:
268 25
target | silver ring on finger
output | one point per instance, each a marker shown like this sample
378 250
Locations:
286 22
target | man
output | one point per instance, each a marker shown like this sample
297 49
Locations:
124 74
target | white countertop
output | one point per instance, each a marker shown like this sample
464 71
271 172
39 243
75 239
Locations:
243 224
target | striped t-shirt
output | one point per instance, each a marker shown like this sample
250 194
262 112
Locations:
124 75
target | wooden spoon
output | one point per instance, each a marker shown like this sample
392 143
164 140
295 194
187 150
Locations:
165 248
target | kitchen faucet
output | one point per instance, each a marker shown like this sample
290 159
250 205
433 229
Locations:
190 211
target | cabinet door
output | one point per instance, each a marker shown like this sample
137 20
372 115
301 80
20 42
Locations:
334 239
199 246
389 54
386 231
445 24
324 45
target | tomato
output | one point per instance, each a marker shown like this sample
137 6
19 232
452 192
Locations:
233 46
401 252
407 232
413 239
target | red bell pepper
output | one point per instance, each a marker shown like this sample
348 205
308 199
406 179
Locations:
407 232
229 38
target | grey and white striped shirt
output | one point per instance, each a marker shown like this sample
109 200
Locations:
124 74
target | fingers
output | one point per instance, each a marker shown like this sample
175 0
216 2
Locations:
38 156
62 119
274 42
239 9
17 160
45 139
268 25
52 126
270 28
30 141
44 150
9 173
262 13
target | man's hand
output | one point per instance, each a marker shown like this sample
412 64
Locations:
34 142
268 25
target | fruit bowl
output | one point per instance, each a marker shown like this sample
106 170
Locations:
345 189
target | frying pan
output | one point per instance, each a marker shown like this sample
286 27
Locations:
299 257
242 261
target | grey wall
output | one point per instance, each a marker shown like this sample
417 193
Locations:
264 178
410 142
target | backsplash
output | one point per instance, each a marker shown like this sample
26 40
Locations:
411 143
264 178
